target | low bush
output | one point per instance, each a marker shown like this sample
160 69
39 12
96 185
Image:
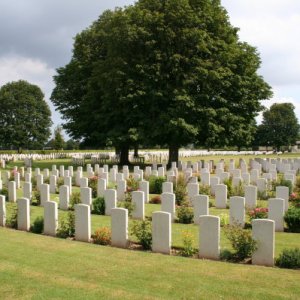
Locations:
224 219
142 230
12 219
155 200
228 182
38 225
187 239
99 206
180 194
74 199
241 241
258 213
102 236
4 192
204 189
66 226
132 184
36 198
289 258
155 184
295 199
292 219
59 182
127 203
185 214
93 182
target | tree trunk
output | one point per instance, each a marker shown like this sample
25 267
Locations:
173 155
136 151
124 153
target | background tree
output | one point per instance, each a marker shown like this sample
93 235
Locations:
58 142
25 117
161 72
72 144
279 126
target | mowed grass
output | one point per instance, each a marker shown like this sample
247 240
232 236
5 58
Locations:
39 267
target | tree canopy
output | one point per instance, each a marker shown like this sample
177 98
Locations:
25 117
161 72
279 126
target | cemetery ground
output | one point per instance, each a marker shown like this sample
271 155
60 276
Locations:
37 266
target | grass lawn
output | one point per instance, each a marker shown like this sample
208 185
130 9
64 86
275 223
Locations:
39 267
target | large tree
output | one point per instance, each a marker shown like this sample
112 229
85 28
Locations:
25 117
167 72
279 126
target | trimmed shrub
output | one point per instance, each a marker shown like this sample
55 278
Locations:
155 200
142 230
102 236
4 192
127 203
185 214
241 241
180 190
74 199
36 198
292 219
155 184
12 219
66 226
289 258
93 182
99 206
38 225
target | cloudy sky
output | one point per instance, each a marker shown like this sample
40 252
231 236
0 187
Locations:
36 37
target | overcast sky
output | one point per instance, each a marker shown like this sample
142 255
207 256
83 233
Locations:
36 37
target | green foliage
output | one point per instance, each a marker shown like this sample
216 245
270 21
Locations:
230 191
187 239
4 192
102 236
204 189
93 182
224 219
66 226
241 241
185 214
25 117
155 184
58 141
289 258
180 190
12 219
279 126
282 182
36 198
127 203
59 182
188 65
38 225
99 206
292 219
74 199
132 184
143 232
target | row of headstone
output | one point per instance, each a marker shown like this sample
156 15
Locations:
209 229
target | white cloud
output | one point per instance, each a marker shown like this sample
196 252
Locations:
273 27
